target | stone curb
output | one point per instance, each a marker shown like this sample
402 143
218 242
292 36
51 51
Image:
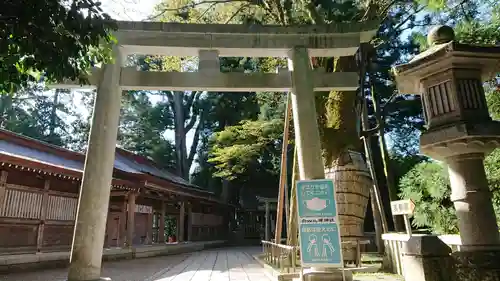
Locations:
22 262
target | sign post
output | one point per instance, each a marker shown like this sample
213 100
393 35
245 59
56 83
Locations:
404 208
319 235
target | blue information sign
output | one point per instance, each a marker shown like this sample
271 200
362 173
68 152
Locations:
320 244
319 235
316 198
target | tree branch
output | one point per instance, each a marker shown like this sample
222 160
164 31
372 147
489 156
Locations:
314 15
268 8
288 6
281 13
409 17
191 104
191 123
192 5
385 10
196 140
237 12
206 11
190 101
170 98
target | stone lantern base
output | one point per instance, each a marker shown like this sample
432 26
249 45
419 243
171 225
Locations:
477 265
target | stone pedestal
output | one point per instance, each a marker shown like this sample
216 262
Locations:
325 275
426 258
472 199
476 266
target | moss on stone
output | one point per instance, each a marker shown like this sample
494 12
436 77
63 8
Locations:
337 117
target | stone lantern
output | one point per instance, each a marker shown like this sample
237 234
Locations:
460 132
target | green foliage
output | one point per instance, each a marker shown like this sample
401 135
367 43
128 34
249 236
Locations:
142 126
37 114
238 147
480 32
428 186
50 38
492 162
170 227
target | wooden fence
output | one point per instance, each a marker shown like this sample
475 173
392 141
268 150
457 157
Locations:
33 219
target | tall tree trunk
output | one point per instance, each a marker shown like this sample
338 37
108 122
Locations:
5 108
180 134
338 123
53 115
380 222
182 111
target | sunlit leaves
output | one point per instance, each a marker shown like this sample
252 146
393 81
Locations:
236 148
46 37
427 185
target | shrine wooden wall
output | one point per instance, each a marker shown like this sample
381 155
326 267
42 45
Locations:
207 223
36 213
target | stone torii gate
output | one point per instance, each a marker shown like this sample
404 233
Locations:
208 42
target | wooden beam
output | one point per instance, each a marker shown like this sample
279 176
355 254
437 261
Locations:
131 219
119 193
190 222
43 215
123 223
149 226
161 225
182 221
3 188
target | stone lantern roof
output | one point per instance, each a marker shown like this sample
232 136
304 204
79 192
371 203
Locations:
449 77
444 52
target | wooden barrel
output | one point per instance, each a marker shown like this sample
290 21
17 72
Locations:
352 188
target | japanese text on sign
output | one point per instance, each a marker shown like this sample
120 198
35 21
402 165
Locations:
318 230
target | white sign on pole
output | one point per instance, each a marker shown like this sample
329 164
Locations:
402 207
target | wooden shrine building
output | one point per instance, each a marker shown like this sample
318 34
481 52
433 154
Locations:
39 185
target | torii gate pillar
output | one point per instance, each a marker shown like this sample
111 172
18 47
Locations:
93 202
310 160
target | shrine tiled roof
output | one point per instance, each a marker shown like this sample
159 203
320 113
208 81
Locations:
31 150
31 154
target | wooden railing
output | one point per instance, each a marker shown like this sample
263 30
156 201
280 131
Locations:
394 245
286 258
280 256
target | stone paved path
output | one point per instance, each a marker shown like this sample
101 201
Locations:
229 264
